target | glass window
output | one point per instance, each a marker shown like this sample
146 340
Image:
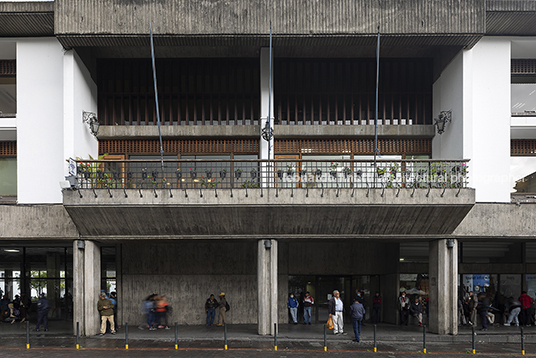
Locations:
480 283
109 273
8 176
524 98
8 80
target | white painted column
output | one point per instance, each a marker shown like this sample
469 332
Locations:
267 286
443 274
267 105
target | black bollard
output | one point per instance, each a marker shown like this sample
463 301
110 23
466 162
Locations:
522 341
424 339
275 336
375 345
225 334
325 339
176 337
27 335
77 335
473 335
126 335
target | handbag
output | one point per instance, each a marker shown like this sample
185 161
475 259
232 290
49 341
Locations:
329 323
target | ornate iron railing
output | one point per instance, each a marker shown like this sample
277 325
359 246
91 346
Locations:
280 173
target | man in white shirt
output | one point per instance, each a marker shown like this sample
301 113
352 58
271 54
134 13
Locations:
335 309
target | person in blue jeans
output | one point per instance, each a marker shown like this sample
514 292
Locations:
308 303
292 304
210 309
357 312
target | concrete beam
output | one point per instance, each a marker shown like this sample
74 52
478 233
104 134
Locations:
353 131
292 214
137 132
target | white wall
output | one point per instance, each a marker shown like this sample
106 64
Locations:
476 87
39 120
53 88
80 94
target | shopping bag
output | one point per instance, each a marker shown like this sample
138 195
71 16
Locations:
329 324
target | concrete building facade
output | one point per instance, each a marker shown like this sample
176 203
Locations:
261 178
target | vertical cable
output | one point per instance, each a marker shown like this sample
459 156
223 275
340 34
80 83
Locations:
156 101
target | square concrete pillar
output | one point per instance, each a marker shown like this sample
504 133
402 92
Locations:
443 274
86 286
267 286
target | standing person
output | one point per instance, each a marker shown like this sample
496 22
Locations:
43 307
482 309
335 309
526 304
105 308
308 302
222 305
25 303
210 309
473 304
357 311
292 304
416 310
403 308
113 298
376 308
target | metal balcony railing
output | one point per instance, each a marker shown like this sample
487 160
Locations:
279 173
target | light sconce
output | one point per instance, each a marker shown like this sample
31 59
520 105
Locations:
91 119
442 120
267 244
450 243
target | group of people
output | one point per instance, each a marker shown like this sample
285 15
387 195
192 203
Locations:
211 305
516 312
155 309
293 304
17 309
411 307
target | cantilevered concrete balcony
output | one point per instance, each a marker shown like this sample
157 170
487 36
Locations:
260 199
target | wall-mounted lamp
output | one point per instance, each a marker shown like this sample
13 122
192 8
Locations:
450 243
267 244
442 120
81 244
70 182
91 119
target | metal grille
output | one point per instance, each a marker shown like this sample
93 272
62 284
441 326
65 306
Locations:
190 91
8 149
364 146
8 68
523 147
342 91
523 67
126 146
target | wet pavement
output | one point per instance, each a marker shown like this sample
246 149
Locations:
242 340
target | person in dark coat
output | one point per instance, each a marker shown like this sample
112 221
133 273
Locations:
416 310
357 312
482 309
376 308
43 307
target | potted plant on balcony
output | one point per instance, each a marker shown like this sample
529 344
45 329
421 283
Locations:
253 173
346 170
280 173
178 173
333 170
302 172
208 172
381 171
144 173
238 173
290 169
318 172
193 173
154 174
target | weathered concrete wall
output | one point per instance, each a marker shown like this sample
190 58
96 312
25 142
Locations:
499 221
288 17
36 222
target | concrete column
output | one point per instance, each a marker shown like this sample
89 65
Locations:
443 274
86 286
267 105
267 286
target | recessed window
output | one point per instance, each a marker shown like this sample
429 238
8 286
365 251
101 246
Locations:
8 89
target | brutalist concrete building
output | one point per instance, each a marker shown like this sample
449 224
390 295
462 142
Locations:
271 147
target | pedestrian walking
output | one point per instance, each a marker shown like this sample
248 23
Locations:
43 307
357 312
483 309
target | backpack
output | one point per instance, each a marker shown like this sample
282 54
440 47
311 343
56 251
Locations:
227 307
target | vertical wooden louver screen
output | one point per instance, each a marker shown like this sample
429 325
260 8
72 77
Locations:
355 146
126 146
8 68
523 147
523 67
8 148
342 91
